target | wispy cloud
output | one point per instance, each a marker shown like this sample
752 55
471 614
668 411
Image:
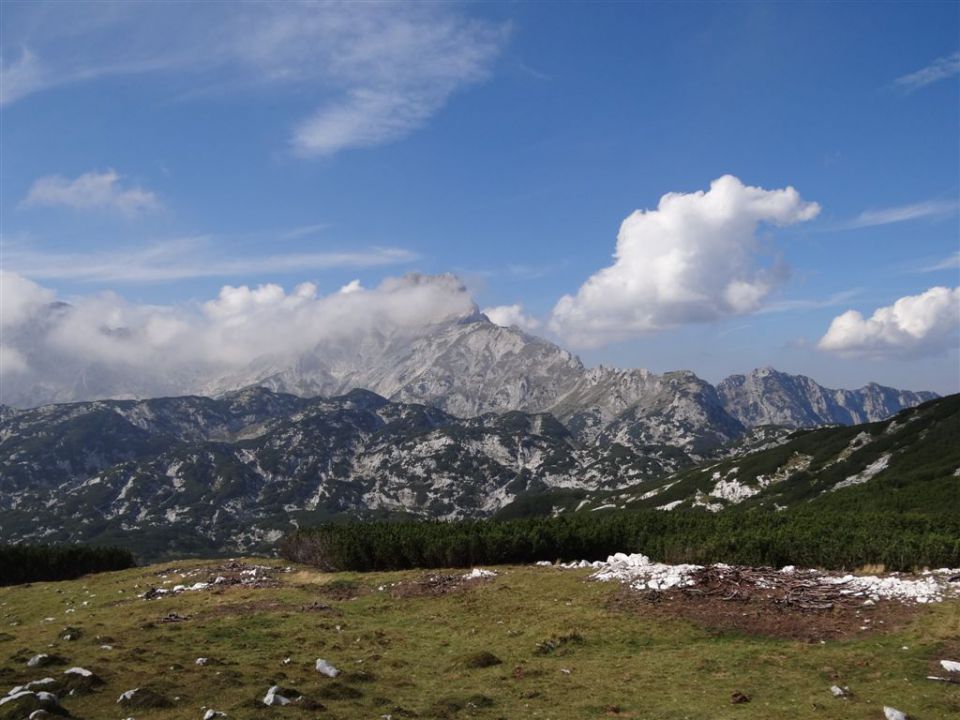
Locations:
840 298
192 257
939 69
901 213
90 191
951 262
374 71
305 231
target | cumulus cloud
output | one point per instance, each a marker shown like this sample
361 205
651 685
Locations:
695 258
115 348
511 316
90 191
927 323
939 69
371 72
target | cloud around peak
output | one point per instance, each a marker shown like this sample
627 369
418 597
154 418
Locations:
512 316
694 258
117 348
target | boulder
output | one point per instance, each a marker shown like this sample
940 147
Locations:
25 703
78 680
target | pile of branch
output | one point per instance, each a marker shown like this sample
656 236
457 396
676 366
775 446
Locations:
801 590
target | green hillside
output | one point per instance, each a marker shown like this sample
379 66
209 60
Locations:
908 463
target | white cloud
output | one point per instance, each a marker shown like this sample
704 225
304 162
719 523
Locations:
372 71
20 78
511 316
695 258
11 361
185 258
914 325
951 262
902 213
939 69
114 347
90 191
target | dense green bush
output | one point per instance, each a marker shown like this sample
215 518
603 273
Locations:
30 563
803 536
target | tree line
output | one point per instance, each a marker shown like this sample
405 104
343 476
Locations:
801 536
33 563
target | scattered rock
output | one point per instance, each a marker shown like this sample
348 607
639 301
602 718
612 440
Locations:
41 714
840 692
78 680
551 645
738 698
893 714
143 699
277 695
325 668
211 714
71 633
45 660
24 703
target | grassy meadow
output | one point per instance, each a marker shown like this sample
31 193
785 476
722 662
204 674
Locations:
535 642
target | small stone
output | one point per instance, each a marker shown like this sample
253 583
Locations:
325 668
893 714
840 692
738 698
211 714
950 666
273 697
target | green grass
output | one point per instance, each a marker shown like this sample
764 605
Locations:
419 654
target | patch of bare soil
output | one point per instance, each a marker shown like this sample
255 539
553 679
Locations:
434 585
756 601
339 589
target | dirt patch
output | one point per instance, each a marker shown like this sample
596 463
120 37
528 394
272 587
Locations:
764 612
340 589
434 585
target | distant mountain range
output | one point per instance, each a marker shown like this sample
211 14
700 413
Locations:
907 463
460 420
468 366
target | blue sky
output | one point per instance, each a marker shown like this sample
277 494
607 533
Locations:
162 151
